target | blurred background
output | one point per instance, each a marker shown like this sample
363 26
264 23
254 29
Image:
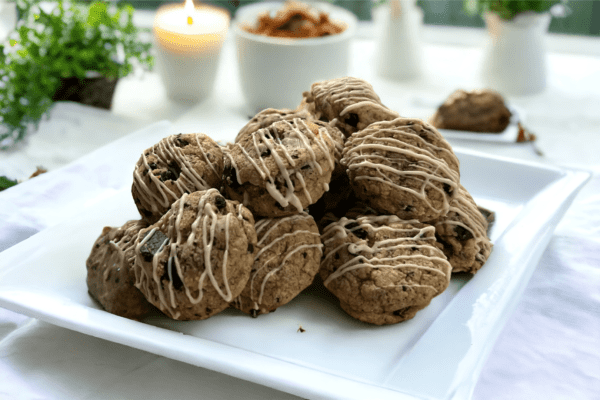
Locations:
583 20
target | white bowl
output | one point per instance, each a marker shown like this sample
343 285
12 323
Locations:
275 71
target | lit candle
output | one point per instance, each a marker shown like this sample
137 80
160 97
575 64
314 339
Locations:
188 44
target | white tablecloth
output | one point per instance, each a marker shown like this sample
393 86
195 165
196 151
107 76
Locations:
549 349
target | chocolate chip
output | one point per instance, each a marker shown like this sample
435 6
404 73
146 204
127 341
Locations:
351 225
181 142
177 283
462 233
404 288
267 136
307 166
447 188
117 280
400 313
167 175
231 175
152 165
408 208
220 202
208 310
250 248
152 245
336 256
304 254
414 248
352 120
266 153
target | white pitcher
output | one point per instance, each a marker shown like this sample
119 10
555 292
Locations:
515 56
398 50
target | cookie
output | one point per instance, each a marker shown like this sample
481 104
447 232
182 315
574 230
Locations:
268 116
349 104
287 260
281 169
178 164
463 233
197 258
476 111
402 167
110 276
381 268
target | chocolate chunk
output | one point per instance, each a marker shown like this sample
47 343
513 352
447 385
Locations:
152 165
152 245
307 166
462 233
266 153
408 208
250 248
220 202
447 188
167 175
352 120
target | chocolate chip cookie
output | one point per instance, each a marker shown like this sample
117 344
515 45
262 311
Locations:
463 233
197 258
349 104
402 167
281 169
381 268
476 111
178 164
287 260
110 276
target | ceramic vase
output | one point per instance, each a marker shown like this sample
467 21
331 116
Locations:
514 61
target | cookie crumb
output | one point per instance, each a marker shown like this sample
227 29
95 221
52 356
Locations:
301 329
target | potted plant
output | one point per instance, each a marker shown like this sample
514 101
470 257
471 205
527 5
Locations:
64 50
515 58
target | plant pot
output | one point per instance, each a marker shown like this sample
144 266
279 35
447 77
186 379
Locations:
96 91
515 57
399 49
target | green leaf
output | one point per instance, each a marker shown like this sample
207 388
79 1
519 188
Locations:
97 14
5 183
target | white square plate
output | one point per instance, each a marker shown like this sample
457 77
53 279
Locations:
438 354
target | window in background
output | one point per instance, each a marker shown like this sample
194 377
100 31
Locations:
583 20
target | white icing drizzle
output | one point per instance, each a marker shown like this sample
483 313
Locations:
122 246
265 243
351 94
364 151
202 229
189 179
407 236
464 212
297 134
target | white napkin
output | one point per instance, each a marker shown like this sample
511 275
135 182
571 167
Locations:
36 204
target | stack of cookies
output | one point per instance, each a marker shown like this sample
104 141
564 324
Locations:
341 189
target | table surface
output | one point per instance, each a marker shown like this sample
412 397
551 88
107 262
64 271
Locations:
549 348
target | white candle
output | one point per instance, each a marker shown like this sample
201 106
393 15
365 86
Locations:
188 44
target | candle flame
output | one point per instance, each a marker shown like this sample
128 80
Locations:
189 10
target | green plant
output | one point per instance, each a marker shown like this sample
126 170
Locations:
508 9
60 39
